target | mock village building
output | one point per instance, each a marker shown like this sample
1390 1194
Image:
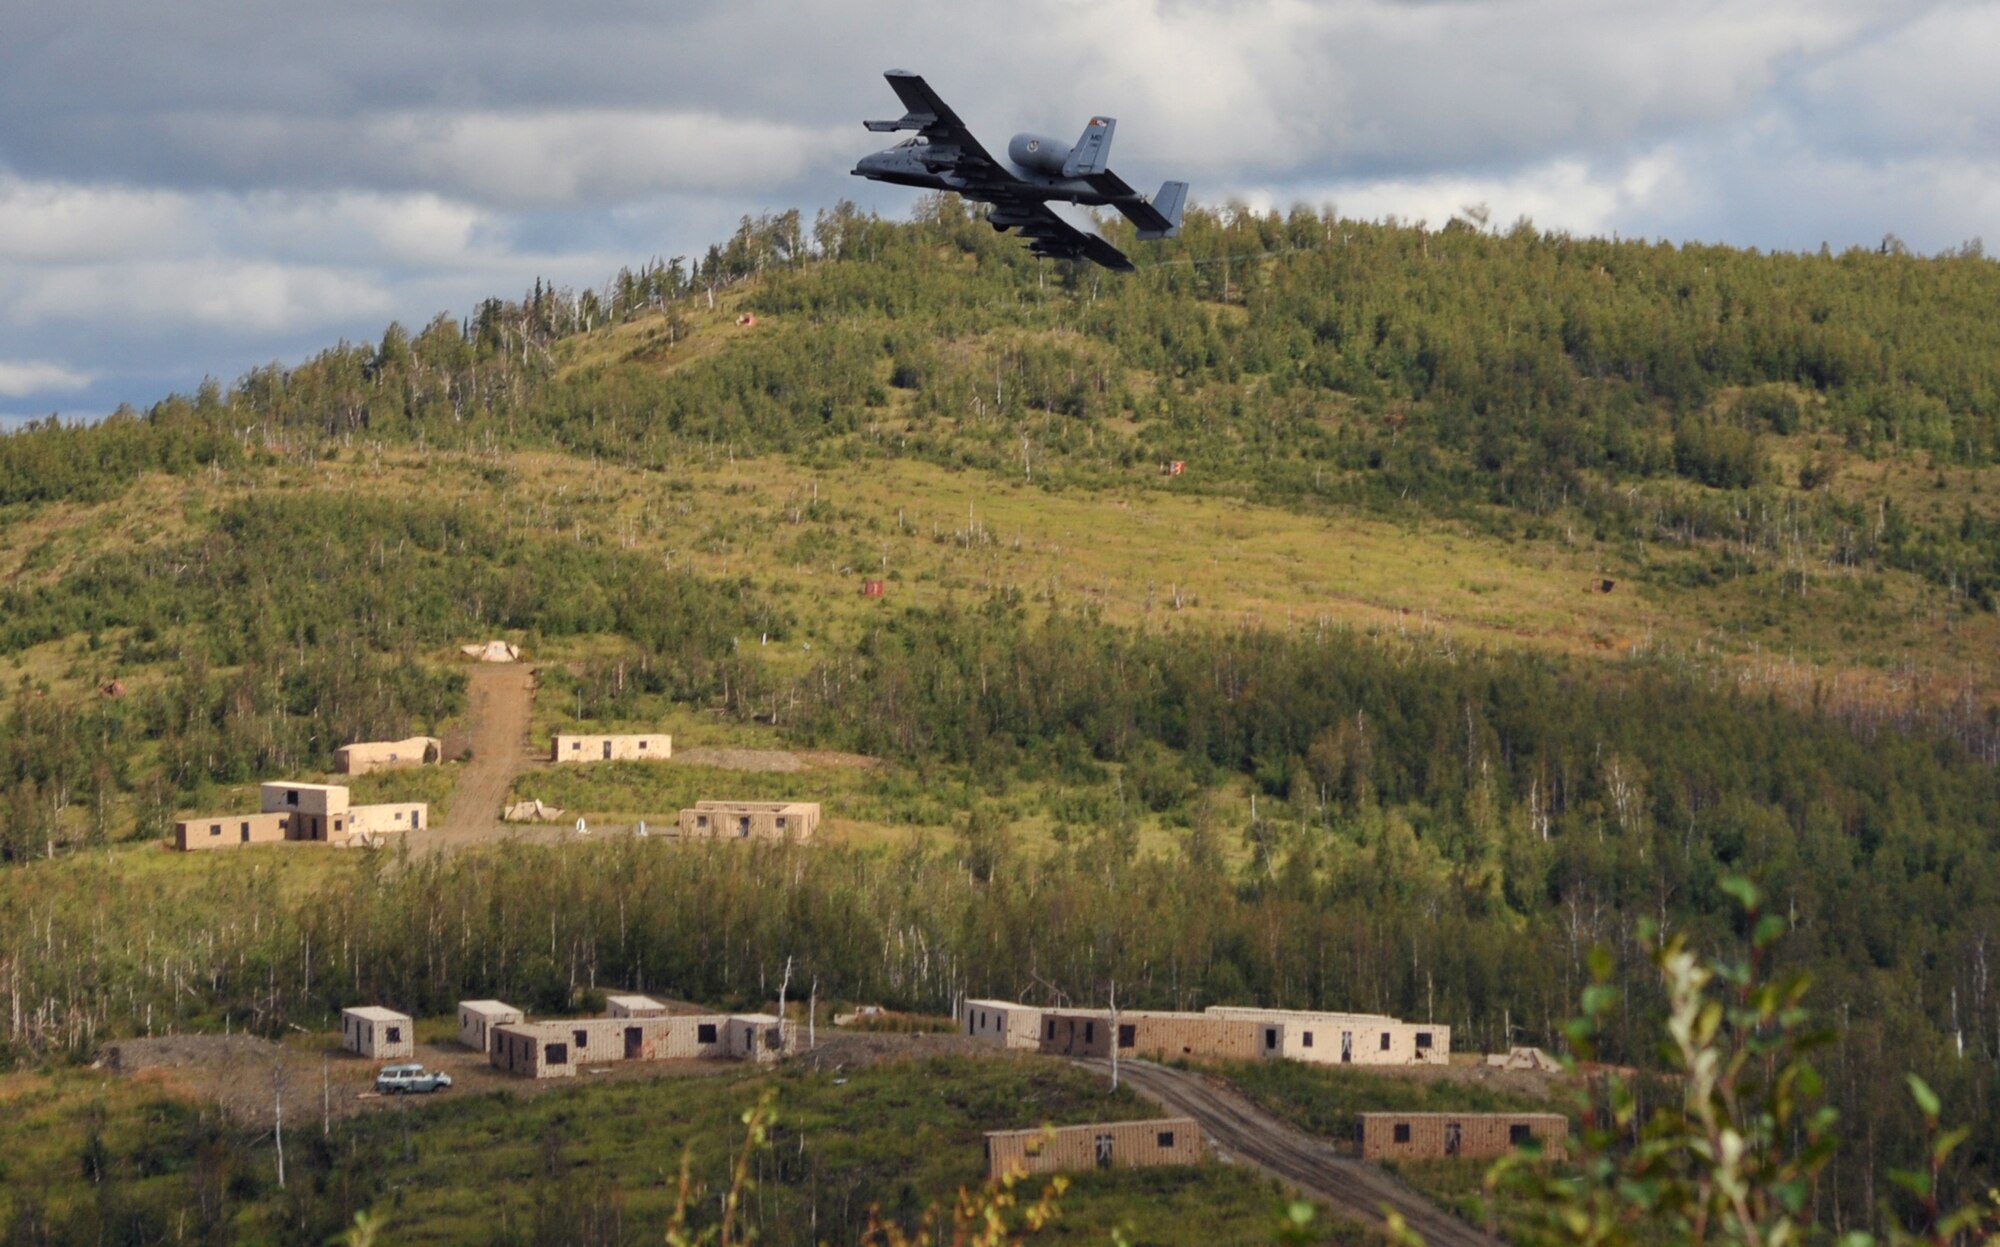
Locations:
1106 1145
557 1048
1437 1136
383 1034
367 756
228 831
750 820
315 811
1004 1023
479 1019
634 1007
1160 1036
1343 1038
646 747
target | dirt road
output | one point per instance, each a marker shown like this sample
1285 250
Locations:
500 701
1241 1129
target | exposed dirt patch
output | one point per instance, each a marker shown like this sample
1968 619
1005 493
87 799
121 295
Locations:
1532 1084
500 702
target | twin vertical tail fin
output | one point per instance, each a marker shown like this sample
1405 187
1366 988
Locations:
1161 218
1092 153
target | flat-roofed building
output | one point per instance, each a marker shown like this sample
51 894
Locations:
228 831
641 747
316 811
479 1019
758 1037
750 820
1436 1136
634 1007
373 822
1343 1038
373 1031
1148 1033
367 756
1004 1023
1105 1145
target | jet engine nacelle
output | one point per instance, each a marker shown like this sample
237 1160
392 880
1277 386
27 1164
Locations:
1038 153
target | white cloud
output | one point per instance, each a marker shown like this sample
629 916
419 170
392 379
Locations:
20 378
47 221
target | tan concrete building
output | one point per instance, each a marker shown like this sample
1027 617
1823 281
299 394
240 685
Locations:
316 811
1436 1136
1004 1023
365 757
228 831
1343 1038
383 1034
1143 1033
1108 1145
750 820
650 747
479 1019
372 822
557 1048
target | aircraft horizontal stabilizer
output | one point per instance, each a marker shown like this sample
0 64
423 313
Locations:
1165 211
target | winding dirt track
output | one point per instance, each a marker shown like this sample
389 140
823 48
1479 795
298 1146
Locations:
1350 1187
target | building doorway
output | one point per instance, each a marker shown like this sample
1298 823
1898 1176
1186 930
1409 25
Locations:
1347 1047
634 1042
1104 1151
607 751
1451 1138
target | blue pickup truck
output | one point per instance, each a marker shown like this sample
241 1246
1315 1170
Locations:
402 1079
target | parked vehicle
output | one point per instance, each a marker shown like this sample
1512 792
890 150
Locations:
401 1079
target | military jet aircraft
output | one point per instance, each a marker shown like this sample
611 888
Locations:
943 155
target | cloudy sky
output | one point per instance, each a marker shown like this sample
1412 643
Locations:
194 188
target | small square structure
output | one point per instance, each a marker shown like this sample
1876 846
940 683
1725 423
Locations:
750 820
757 1037
1004 1023
1107 1145
479 1019
376 1032
634 1007
647 747
1437 1136
373 822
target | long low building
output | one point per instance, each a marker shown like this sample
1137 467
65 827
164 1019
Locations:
1141 1033
1343 1038
1103 1145
750 820
300 812
643 747
1437 1136
1223 1032
557 1048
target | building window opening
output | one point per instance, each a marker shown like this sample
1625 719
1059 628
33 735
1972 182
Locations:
291 796
1423 1041
395 1034
1385 1041
1306 1040
582 1039
1518 1133
215 829
1166 1138
1402 1132
705 1032
555 1054
1128 1034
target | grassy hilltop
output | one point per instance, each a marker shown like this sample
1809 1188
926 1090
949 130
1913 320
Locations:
1517 587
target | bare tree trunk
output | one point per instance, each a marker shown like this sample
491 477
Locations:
278 1116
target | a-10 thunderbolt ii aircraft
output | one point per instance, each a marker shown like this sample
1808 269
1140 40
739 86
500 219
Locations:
944 156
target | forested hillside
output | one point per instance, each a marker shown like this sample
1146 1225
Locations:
1764 483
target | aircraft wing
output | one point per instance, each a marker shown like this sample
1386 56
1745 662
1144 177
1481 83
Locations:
1050 235
928 114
